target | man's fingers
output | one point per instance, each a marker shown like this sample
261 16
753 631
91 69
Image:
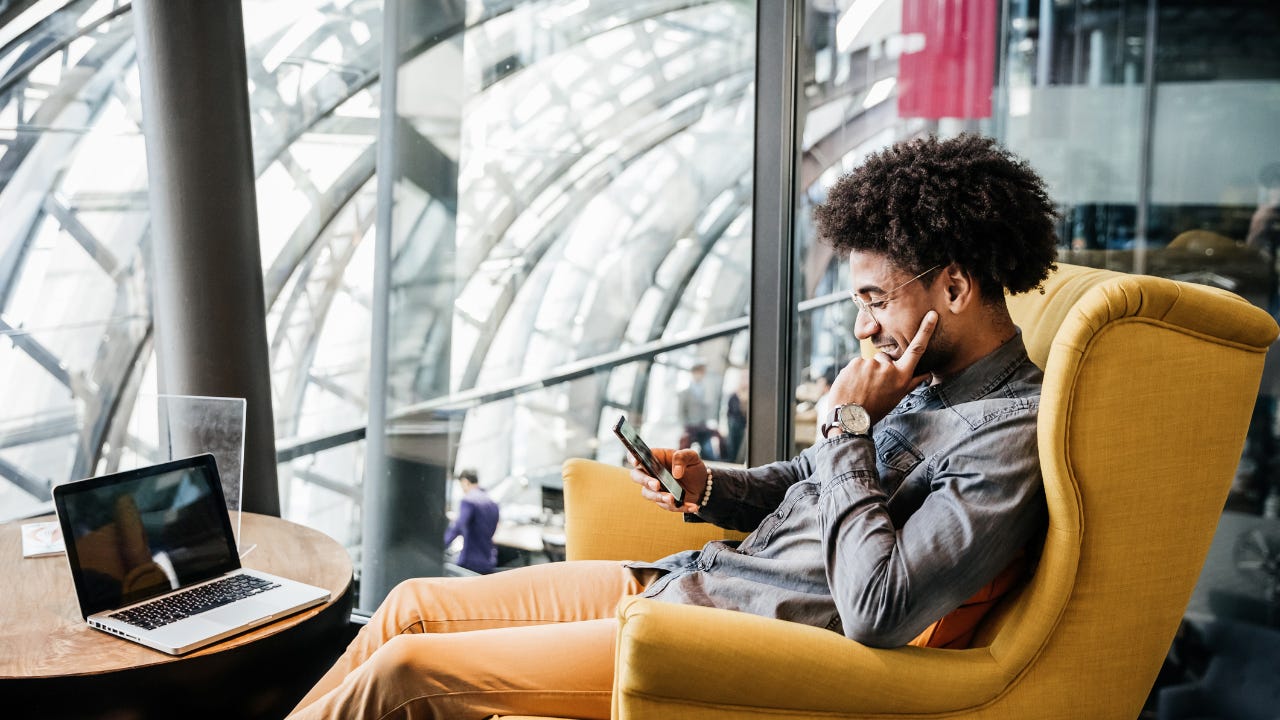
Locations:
915 349
663 499
652 490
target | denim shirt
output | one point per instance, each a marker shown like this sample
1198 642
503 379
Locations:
879 537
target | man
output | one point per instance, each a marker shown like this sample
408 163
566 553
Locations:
922 493
736 418
476 522
695 410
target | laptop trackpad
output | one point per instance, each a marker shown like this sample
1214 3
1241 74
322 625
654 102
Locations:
239 612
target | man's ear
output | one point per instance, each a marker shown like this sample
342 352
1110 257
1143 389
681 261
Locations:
959 289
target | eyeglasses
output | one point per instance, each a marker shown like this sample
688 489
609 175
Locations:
880 303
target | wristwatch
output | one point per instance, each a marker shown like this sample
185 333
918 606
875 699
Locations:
851 419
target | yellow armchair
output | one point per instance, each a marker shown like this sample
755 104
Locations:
1149 384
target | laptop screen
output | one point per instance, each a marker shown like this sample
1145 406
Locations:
137 534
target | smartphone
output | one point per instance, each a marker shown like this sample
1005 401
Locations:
641 452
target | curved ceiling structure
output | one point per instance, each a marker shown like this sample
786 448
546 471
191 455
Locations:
601 200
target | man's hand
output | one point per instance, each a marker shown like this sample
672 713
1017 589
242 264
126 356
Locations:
880 382
686 467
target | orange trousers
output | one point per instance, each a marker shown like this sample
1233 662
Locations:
537 640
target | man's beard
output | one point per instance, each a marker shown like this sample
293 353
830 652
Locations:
938 354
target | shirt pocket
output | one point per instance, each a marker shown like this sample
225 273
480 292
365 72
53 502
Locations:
897 457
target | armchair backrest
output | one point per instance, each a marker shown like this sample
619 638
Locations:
1149 384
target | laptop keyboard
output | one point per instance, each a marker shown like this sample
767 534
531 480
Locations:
183 605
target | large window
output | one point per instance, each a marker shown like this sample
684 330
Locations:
571 234
571 225
1156 125
75 289
515 220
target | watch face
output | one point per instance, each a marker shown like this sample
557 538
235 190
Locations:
854 419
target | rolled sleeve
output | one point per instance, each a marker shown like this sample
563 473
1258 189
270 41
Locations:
740 499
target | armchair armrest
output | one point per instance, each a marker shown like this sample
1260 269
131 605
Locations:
678 655
607 519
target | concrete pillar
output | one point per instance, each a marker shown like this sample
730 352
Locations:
210 316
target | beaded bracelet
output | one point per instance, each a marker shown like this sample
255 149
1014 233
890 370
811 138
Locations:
706 494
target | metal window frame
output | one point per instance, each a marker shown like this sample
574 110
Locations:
773 317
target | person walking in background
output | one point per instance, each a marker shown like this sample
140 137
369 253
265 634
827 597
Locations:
736 419
476 522
694 404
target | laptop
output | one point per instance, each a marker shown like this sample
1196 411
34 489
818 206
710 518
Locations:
154 559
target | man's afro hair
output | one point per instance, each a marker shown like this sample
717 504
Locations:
965 200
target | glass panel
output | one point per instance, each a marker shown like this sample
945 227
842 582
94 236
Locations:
572 204
73 246
73 301
73 182
321 486
872 72
170 427
56 380
1155 125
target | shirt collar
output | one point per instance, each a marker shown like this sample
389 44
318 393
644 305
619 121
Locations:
985 375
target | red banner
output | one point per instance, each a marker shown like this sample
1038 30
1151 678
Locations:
952 75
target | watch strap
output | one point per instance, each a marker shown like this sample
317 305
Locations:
830 421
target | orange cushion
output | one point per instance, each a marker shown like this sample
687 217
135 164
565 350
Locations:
955 630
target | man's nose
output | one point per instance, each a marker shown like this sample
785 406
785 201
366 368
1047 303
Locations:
865 325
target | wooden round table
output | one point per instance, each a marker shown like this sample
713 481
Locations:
52 660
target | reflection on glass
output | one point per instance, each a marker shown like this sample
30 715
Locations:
137 538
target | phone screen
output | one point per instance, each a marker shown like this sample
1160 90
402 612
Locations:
629 437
